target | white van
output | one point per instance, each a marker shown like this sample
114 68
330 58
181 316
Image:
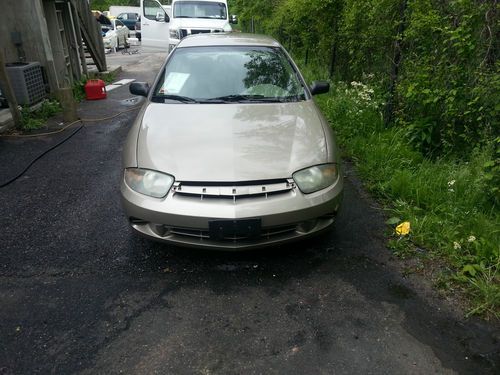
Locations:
155 24
164 26
198 16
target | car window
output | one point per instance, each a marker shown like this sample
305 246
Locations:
122 16
236 73
200 9
153 10
106 27
119 23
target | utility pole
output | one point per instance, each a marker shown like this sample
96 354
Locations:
9 94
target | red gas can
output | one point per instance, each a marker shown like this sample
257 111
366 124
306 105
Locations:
95 89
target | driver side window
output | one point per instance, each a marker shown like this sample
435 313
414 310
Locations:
153 10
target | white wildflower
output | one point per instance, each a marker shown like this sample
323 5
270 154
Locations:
451 183
456 245
471 239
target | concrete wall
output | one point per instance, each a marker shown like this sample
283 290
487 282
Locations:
26 17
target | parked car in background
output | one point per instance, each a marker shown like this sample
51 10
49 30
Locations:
115 34
128 19
138 29
230 150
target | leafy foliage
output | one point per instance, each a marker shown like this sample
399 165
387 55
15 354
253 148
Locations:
38 118
448 83
415 103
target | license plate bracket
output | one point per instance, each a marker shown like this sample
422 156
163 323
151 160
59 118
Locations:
234 229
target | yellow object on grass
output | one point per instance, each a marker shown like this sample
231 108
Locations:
403 229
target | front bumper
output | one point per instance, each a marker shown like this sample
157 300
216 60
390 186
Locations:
184 221
108 43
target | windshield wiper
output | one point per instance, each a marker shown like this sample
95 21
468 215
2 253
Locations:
236 99
183 17
179 98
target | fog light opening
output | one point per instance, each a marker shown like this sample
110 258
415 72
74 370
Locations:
160 229
307 226
137 221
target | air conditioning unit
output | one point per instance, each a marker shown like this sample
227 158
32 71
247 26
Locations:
27 82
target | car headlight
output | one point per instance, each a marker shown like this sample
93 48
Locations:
316 178
147 182
174 34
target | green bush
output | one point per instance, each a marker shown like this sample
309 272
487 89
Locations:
32 120
444 199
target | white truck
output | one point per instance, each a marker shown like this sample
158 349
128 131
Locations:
165 27
198 16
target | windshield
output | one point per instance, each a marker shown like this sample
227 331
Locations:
200 9
106 28
229 74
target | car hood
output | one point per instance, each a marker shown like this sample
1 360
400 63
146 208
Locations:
231 142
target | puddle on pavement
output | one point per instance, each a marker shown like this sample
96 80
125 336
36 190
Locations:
132 101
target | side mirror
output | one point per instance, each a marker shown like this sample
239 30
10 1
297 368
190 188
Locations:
139 88
233 19
160 17
319 87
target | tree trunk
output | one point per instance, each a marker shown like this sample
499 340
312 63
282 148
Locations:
396 61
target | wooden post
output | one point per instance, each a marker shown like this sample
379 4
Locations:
9 94
68 104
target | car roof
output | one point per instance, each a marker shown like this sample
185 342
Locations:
227 39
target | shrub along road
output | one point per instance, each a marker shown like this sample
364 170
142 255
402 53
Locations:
81 294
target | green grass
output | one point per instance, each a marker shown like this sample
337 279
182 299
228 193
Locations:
445 200
32 120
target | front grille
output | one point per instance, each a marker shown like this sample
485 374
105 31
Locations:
267 233
200 31
185 32
232 191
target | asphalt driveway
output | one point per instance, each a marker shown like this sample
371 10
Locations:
80 293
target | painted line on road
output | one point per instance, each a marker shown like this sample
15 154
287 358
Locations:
119 83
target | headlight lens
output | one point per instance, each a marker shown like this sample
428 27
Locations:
316 178
144 181
174 34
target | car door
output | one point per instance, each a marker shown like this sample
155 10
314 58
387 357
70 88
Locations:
154 25
121 32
